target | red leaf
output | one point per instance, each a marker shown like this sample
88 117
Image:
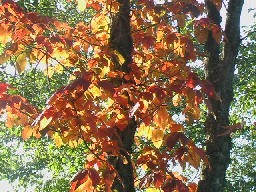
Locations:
192 80
169 185
158 179
232 128
148 41
94 176
172 139
170 38
40 39
180 152
181 186
3 88
79 179
107 86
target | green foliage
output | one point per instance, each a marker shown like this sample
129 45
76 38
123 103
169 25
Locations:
241 175
58 9
30 162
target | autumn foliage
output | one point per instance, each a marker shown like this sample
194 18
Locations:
101 99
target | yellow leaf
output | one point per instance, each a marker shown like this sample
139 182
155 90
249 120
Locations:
57 139
176 100
157 137
104 71
81 5
152 190
120 57
100 22
95 91
44 122
27 132
145 131
21 62
109 103
73 143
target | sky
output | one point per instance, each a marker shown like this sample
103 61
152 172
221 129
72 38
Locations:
246 20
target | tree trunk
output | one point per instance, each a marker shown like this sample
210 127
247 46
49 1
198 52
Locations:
121 42
220 72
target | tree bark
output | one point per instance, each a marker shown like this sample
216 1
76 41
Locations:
220 73
121 42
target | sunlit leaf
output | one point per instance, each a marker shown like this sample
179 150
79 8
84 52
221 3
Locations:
26 132
145 131
120 57
21 62
81 5
157 137
58 140
121 121
44 122
176 100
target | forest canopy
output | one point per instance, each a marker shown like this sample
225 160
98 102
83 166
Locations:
119 95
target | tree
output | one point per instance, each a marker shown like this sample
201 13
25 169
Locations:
220 72
25 163
129 70
240 174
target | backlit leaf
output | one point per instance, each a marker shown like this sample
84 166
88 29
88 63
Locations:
21 62
58 140
4 58
145 131
27 132
5 35
157 137
121 121
44 122
81 5
176 100
120 57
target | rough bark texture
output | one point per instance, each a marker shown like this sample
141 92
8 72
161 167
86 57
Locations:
220 72
121 42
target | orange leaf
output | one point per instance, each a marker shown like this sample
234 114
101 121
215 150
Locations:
27 132
78 180
162 118
5 35
85 180
121 121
